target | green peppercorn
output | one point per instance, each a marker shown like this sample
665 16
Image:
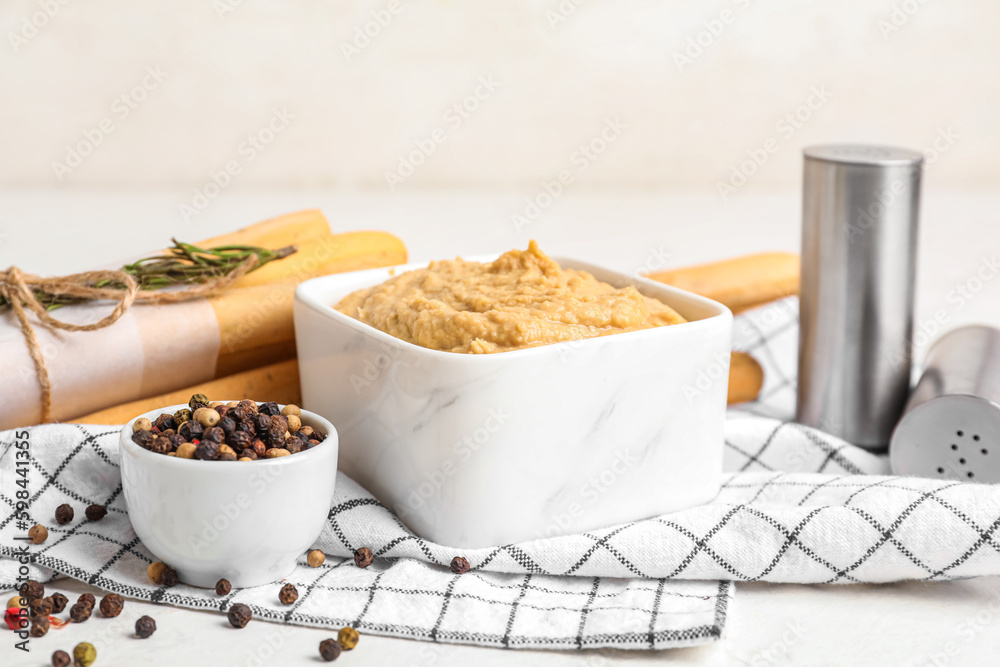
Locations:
84 654
181 416
198 401
348 638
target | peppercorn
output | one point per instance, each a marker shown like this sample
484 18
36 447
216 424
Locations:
141 424
207 417
291 409
80 612
215 434
87 599
143 438
64 514
191 430
261 422
169 432
197 401
181 416
232 404
249 406
363 557
144 627
239 615
246 425
275 439
305 431
32 590
155 571
84 654
38 534
348 638
309 444
319 435
222 587
16 601
40 626
288 594
40 607
227 425
258 447
96 512
293 445
248 455
221 409
278 423
329 649
111 605
294 424
165 421
161 445
186 450
315 558
59 602
270 408
459 565
60 659
170 578
276 452
207 450
176 440
215 405
226 453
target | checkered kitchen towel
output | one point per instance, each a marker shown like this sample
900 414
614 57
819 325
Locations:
797 506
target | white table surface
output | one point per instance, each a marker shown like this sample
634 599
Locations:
911 624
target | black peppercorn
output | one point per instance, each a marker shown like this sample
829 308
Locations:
111 605
198 401
293 445
239 615
305 432
80 612
288 594
275 439
207 450
226 453
170 578
248 454
249 406
40 607
222 587
169 432
363 557
239 440
258 447
32 590
227 425
329 649
261 422
164 422
459 565
215 434
176 440
87 599
59 602
190 430
40 626
144 627
161 445
64 514
309 444
61 659
269 408
96 512
319 435
143 438
278 423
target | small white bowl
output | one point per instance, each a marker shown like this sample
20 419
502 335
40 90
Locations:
247 522
478 450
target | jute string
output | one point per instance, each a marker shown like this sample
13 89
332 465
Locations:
19 290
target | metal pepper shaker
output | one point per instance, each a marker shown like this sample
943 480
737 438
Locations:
859 242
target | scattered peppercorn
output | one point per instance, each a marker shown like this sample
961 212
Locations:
38 534
155 571
40 607
222 587
111 605
363 557
315 558
459 565
329 649
87 599
239 615
64 514
288 594
144 627
96 512
32 590
84 654
348 638
59 602
40 626
80 612
170 578
60 659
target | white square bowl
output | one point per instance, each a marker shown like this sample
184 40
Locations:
478 450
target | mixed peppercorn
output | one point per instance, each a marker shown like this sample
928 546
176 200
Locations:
234 431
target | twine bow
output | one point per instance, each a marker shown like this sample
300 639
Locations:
19 291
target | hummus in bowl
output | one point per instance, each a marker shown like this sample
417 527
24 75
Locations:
521 299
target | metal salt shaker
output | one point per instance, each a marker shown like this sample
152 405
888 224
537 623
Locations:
859 241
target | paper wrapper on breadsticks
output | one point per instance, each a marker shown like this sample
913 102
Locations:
152 350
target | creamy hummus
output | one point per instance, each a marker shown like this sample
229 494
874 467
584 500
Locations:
523 299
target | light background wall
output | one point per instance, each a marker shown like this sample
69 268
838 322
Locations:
891 71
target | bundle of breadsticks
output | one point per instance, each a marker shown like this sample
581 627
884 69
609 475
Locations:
242 338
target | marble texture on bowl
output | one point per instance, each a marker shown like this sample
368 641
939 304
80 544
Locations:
247 522
481 450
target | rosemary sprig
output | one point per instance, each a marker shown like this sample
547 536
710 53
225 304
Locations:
184 264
